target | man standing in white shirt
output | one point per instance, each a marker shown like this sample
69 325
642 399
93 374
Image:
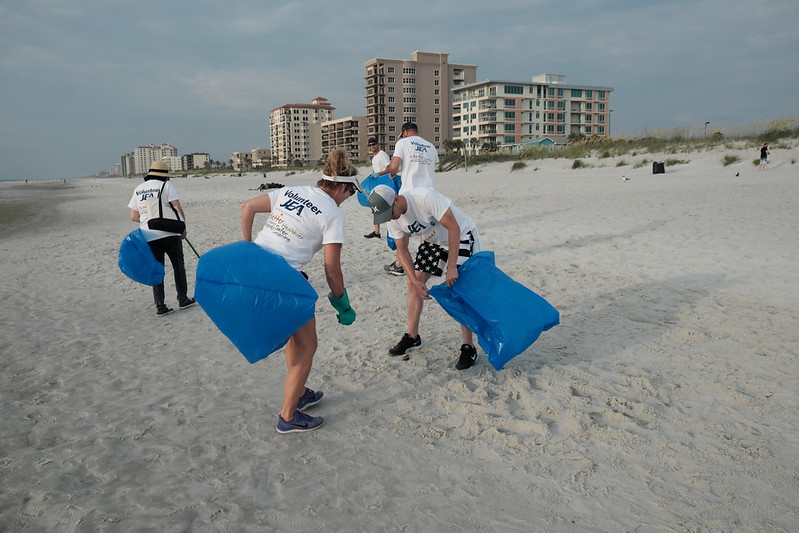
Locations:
380 161
414 159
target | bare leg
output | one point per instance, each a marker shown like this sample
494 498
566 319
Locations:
415 305
467 336
300 350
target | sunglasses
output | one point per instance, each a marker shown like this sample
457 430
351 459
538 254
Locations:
372 144
353 189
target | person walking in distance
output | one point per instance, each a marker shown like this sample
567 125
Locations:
143 207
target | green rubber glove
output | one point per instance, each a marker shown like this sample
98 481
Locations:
346 314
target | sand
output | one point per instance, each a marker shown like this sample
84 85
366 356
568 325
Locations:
665 401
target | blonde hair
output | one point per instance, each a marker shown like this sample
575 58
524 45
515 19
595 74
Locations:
338 164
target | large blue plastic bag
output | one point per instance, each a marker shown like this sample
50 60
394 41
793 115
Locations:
136 260
506 316
372 181
253 296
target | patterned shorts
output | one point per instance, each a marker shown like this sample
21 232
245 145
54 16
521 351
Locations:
432 258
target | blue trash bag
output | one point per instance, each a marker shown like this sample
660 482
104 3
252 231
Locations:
372 181
253 296
506 316
390 242
136 260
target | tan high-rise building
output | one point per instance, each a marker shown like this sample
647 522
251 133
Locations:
348 133
295 132
413 90
508 114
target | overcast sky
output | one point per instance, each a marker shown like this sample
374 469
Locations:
84 81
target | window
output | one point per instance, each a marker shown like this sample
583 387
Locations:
561 106
392 118
561 117
514 89
392 109
589 93
435 73
409 100
391 79
409 90
391 99
510 127
390 70
391 89
409 110
562 130
577 93
408 70
602 95
410 81
560 93
510 115
510 102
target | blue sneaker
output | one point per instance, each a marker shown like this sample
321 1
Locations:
309 398
300 423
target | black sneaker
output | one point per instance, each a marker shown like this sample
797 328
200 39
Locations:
163 310
406 343
188 303
372 235
468 357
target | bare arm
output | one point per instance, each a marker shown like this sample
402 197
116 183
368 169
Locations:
393 167
134 215
454 230
335 278
259 204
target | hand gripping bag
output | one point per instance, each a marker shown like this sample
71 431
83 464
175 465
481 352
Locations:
506 316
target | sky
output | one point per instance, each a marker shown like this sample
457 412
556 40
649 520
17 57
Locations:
84 81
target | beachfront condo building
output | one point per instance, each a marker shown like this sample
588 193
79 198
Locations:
349 133
197 160
295 131
507 115
413 90
144 155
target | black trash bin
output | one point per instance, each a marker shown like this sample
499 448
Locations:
658 167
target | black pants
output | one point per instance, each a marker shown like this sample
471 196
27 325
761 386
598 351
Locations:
173 247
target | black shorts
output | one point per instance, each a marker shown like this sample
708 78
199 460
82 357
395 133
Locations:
432 258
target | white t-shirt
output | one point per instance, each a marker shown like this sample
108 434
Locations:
419 159
302 220
150 189
380 161
425 209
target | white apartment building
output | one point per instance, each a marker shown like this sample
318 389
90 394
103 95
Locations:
415 90
511 114
143 156
349 133
295 132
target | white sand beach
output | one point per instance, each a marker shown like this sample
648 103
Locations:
666 400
